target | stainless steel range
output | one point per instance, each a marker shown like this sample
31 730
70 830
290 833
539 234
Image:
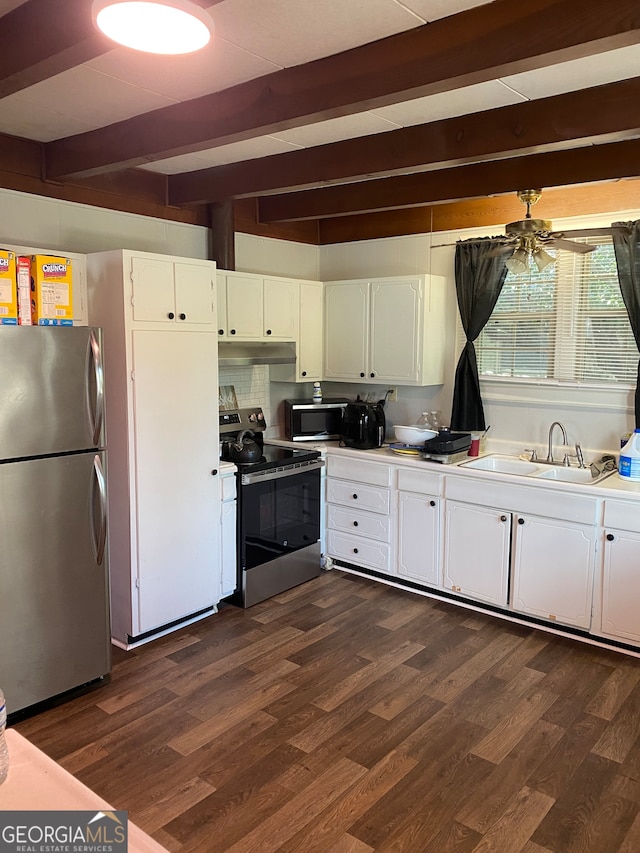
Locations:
278 513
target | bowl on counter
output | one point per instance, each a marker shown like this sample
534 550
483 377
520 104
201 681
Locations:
413 435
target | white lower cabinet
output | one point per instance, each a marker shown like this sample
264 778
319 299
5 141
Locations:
553 566
620 567
359 513
476 552
228 532
419 523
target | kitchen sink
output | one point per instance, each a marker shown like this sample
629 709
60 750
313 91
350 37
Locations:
570 475
536 470
503 465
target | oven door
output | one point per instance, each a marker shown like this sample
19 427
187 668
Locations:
278 530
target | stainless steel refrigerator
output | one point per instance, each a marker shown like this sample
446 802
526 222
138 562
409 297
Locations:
54 602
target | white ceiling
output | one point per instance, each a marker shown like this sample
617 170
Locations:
257 37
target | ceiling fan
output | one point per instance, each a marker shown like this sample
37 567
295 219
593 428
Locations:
529 238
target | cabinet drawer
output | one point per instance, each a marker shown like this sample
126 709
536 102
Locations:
623 515
360 471
357 495
420 482
360 523
361 552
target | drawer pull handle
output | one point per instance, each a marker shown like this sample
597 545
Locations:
171 315
432 503
355 523
355 550
521 521
503 518
610 537
355 497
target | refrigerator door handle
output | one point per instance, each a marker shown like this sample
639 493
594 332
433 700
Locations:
100 530
96 411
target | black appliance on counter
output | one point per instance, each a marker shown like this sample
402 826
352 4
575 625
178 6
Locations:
278 511
363 424
447 446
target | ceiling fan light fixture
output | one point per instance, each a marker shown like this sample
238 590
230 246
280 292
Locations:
542 258
168 27
519 261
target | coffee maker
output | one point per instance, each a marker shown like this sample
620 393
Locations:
363 424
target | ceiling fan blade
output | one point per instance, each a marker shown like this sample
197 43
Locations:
596 232
569 245
500 250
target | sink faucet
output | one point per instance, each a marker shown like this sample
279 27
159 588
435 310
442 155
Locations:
564 441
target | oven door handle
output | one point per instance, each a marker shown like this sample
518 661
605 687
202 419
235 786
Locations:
277 473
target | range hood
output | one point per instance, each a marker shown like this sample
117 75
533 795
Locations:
240 353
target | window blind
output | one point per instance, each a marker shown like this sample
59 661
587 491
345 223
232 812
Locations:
566 323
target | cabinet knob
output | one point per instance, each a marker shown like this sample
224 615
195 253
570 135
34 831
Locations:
304 372
355 523
268 331
355 550
372 375
362 375
521 521
355 497
432 503
221 331
183 316
610 537
503 518
233 331
214 472
171 315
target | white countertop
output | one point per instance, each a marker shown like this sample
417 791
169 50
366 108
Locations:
36 783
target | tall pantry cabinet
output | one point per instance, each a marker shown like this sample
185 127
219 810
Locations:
160 343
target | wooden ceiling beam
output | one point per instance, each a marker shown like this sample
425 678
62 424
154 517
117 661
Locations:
476 45
554 169
602 114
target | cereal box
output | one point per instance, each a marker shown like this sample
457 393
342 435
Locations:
23 281
8 295
51 291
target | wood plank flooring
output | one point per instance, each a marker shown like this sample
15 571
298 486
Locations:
345 716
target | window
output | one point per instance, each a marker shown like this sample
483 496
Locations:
566 323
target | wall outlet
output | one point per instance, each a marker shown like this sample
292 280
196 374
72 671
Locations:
392 395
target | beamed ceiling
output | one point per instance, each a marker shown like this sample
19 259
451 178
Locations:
331 120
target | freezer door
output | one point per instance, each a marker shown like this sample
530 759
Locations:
51 390
54 612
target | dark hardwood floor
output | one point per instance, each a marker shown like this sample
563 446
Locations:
345 716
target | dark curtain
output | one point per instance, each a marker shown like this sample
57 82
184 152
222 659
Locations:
626 244
479 280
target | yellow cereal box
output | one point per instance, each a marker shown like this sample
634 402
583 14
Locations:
23 280
51 291
8 295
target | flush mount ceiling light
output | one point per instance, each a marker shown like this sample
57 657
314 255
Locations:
154 26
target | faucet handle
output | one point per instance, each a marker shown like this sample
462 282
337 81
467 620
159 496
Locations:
534 455
579 456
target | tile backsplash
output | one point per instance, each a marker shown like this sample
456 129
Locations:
251 384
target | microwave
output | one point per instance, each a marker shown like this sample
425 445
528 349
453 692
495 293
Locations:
307 421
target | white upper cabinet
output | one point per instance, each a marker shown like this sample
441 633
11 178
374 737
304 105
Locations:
309 340
172 291
385 330
257 308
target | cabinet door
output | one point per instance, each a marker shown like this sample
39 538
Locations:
309 366
228 548
221 304
620 586
419 538
553 570
476 552
244 307
153 290
281 309
175 447
396 331
195 293
346 331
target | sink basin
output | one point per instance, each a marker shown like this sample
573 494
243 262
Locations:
569 475
503 465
